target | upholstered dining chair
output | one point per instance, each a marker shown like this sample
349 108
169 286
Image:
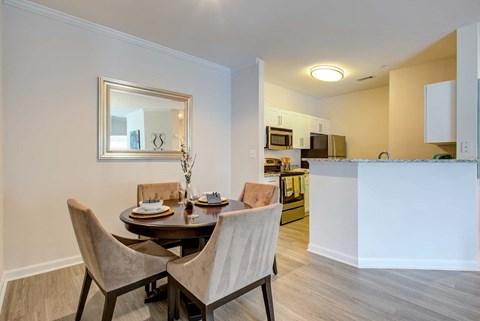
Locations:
237 258
257 194
115 267
163 191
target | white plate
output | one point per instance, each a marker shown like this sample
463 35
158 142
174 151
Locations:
204 199
140 210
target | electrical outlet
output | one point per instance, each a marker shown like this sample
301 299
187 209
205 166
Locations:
465 147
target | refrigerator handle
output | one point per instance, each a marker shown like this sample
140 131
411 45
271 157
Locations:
334 147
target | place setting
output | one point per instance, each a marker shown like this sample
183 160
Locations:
211 199
151 208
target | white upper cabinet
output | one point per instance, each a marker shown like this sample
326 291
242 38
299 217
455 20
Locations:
301 134
278 118
319 125
441 113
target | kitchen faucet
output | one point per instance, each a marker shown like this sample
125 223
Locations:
382 153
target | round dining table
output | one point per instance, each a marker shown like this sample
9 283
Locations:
189 226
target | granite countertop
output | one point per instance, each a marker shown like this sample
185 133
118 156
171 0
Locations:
326 160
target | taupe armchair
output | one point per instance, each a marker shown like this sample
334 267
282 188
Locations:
163 191
237 259
115 267
255 195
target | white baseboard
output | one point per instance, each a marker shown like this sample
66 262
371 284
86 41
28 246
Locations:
30 270
3 288
395 263
392 263
334 255
41 268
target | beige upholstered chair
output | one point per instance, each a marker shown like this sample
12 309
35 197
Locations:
255 195
115 267
237 258
164 191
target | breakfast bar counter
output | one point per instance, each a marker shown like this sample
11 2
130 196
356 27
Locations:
420 214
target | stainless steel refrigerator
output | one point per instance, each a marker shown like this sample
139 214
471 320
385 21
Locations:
325 146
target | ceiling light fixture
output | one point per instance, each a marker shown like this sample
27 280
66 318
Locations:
326 73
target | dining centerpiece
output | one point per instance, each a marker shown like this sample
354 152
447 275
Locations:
187 165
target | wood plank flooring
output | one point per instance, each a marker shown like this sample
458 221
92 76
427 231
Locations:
308 287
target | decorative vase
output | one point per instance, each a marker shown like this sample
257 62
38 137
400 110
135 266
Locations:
189 197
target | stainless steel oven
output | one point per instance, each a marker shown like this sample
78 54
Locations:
291 190
279 138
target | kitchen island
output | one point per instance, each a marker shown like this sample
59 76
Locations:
419 214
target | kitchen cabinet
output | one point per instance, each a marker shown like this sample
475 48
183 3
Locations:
440 113
319 125
278 118
301 134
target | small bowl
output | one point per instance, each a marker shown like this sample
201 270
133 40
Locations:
151 206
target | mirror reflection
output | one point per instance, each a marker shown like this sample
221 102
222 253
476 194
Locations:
141 122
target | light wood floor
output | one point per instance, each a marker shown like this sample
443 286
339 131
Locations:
308 287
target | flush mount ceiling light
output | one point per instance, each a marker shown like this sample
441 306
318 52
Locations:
326 73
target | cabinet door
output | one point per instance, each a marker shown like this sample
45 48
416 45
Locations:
319 125
325 126
440 113
301 134
272 117
286 119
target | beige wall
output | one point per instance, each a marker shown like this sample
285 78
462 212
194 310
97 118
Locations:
406 111
362 117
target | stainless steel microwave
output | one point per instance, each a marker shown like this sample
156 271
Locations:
279 138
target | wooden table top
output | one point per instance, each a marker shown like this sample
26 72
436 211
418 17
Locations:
179 225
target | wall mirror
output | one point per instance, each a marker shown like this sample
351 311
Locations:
138 122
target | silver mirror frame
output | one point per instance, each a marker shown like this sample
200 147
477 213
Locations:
104 86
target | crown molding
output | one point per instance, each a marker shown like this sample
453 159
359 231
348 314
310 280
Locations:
90 26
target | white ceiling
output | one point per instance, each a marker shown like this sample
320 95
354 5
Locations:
364 37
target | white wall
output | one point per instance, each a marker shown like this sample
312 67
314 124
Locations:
283 98
1 158
468 71
362 117
50 113
247 125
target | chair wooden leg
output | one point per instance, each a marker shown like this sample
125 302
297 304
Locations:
109 306
87 281
267 298
173 301
275 271
207 313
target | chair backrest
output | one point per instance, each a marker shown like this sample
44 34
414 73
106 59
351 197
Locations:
111 263
240 251
163 191
257 194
